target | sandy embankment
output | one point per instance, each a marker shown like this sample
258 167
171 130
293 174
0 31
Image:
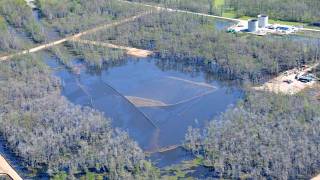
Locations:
6 169
146 102
141 53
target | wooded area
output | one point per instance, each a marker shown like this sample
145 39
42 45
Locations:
266 136
287 10
20 16
306 11
195 40
50 134
53 135
71 16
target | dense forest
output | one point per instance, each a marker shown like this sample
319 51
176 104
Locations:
50 134
202 6
196 40
266 136
288 10
64 15
20 16
53 135
9 42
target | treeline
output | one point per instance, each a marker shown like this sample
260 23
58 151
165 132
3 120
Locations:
95 57
72 16
8 41
288 10
266 136
195 40
52 135
19 15
201 6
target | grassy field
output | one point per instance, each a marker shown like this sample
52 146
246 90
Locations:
218 3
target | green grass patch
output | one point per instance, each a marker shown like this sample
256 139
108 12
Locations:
218 3
229 14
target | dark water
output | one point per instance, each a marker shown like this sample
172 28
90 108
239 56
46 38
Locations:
172 157
221 24
202 172
151 127
190 100
13 160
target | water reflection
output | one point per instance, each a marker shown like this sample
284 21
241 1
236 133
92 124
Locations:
187 99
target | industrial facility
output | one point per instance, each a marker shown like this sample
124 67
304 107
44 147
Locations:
263 21
253 25
261 26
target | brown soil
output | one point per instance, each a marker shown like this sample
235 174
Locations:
278 84
130 51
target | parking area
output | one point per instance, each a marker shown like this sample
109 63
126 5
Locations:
291 81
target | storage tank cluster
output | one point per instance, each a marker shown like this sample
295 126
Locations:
263 20
254 24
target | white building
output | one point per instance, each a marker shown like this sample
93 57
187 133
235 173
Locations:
263 21
253 25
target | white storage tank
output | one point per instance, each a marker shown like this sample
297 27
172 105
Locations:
263 20
253 25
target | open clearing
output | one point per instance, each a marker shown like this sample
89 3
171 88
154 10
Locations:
141 53
279 84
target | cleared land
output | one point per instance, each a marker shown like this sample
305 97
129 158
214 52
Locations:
141 53
280 83
5 168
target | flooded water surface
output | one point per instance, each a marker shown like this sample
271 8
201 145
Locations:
155 106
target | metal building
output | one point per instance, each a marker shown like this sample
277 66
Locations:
263 20
252 25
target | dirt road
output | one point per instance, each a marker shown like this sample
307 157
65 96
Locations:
316 178
129 50
180 11
6 169
241 22
73 37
